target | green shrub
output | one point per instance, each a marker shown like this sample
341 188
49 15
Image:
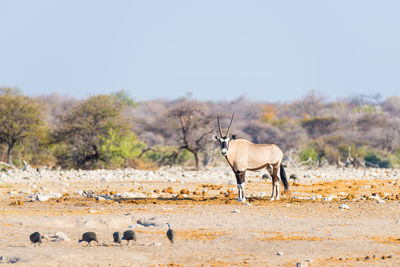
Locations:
167 155
117 148
372 160
307 153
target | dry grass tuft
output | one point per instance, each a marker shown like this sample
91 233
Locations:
17 203
387 240
212 186
200 234
168 190
184 191
290 238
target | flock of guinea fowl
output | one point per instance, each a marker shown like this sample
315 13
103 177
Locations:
36 237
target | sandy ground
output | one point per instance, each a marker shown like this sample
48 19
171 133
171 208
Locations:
212 228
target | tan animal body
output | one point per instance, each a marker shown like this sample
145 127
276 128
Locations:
243 155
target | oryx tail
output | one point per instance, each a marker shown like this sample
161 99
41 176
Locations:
284 178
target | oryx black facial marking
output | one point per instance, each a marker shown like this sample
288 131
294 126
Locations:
224 143
224 139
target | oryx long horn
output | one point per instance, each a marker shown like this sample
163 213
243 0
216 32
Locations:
230 124
219 127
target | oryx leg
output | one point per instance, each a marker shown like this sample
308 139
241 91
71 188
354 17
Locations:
240 179
275 183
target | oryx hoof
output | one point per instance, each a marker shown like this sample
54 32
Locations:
241 200
272 199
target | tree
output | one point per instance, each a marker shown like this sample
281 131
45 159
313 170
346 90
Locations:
319 126
123 98
309 106
195 128
85 129
20 117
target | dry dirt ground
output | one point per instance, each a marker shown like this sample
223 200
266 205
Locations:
212 228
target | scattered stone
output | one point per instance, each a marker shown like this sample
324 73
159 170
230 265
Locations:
302 264
60 236
9 260
344 207
89 194
329 198
235 211
287 205
279 253
148 222
100 198
44 197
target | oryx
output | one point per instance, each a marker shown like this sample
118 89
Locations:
243 155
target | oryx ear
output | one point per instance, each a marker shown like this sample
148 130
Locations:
216 137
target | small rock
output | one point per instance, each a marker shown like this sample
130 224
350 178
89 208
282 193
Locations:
60 236
235 211
344 207
302 264
279 253
287 205
100 198
148 222
12 259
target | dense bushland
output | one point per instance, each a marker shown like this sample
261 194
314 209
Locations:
113 131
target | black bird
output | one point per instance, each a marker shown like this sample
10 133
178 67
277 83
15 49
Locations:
117 237
129 235
170 234
89 237
36 238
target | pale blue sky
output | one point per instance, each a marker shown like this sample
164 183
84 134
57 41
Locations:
218 50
